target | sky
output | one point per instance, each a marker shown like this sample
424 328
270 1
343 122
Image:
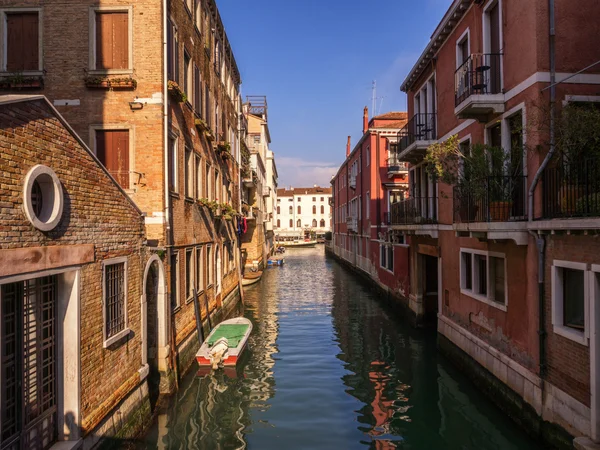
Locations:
316 61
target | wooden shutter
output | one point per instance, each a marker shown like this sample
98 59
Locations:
22 41
112 40
112 149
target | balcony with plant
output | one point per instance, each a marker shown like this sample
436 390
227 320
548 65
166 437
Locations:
175 92
416 136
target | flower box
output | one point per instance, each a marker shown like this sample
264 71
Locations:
175 92
19 82
110 83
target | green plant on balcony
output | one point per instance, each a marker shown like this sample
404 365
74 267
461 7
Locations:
228 211
245 208
208 133
175 92
105 82
223 149
201 125
20 81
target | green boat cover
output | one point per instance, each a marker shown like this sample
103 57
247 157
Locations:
233 332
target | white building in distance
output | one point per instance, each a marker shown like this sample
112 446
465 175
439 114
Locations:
303 210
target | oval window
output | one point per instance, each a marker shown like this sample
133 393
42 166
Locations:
43 198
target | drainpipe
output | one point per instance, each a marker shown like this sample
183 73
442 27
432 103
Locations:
540 242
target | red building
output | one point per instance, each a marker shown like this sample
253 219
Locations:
366 184
512 264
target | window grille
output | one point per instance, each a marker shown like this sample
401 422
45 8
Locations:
114 285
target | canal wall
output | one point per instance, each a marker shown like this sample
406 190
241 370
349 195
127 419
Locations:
540 408
399 303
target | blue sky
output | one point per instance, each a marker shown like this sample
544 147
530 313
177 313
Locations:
315 60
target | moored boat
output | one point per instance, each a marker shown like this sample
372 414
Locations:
275 262
298 243
225 343
251 278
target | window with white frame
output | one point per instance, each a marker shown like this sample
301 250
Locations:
199 270
198 186
209 264
387 256
189 172
368 206
111 39
174 279
189 273
368 156
114 296
187 75
21 40
483 276
198 16
570 300
173 159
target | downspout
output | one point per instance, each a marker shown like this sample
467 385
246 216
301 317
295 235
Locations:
540 241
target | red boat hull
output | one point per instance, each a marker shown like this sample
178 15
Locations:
229 361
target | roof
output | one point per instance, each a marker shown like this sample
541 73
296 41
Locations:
438 38
303 191
395 115
395 124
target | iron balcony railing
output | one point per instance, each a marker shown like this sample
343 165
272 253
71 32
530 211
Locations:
421 127
495 199
394 165
571 189
387 218
414 211
480 74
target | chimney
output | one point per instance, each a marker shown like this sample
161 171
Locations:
365 120
348 147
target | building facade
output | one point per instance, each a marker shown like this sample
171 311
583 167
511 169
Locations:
366 184
508 260
302 212
153 89
78 346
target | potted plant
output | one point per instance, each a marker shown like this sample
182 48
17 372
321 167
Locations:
201 125
176 92
19 81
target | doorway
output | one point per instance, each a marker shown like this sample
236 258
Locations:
429 282
152 332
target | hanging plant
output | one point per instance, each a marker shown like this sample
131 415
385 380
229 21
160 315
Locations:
176 92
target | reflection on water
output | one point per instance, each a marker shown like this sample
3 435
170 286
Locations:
329 368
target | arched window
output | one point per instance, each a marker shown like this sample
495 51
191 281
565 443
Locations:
314 209
291 210
278 223
279 210
299 223
299 209
322 209
322 223
314 224
291 223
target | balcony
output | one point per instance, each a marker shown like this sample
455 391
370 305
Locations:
352 223
415 211
266 191
478 87
395 166
497 199
387 218
352 181
571 190
418 134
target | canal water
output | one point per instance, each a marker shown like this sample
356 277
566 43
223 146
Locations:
331 368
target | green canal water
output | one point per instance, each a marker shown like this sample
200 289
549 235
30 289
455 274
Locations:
329 367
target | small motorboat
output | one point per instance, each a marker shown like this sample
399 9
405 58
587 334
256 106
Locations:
251 277
225 343
275 262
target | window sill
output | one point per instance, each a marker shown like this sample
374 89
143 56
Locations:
483 299
189 199
174 194
176 309
570 333
117 337
189 300
110 72
198 32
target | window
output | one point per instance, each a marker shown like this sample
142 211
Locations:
189 173
216 120
299 199
483 276
368 205
314 199
291 223
208 187
189 273
314 209
291 210
111 42
298 224
114 295
207 111
172 52
217 185
209 264
278 223
188 6
21 41
197 91
198 193
187 75
299 209
314 223
112 149
198 16
43 198
462 49
322 209
387 256
368 155
199 270
172 164
322 223
570 300
278 210
174 280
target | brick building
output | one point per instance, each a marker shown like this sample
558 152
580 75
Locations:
366 184
153 89
303 211
73 335
509 74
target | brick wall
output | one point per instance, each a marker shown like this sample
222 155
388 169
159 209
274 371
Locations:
95 212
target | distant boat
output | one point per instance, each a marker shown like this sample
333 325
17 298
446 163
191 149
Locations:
225 343
275 262
251 277
298 243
